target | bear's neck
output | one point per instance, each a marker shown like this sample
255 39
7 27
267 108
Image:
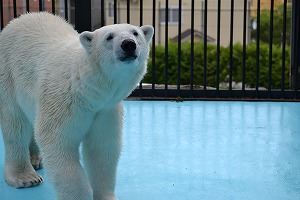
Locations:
94 90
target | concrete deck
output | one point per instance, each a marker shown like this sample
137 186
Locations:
201 150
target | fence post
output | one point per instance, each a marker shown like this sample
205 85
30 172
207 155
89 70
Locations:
295 44
89 15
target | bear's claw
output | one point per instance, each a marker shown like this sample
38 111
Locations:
23 179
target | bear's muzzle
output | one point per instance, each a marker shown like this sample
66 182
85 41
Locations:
128 46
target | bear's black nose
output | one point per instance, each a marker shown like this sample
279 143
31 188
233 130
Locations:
128 45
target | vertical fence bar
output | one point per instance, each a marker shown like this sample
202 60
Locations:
53 6
27 5
115 12
15 8
128 11
179 47
192 49
41 5
141 12
283 49
231 47
166 46
102 10
83 16
205 48
295 46
244 48
257 49
153 48
270 49
83 4
218 48
141 23
1 16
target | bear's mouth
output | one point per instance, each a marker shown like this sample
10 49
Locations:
128 57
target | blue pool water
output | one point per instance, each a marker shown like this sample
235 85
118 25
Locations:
201 150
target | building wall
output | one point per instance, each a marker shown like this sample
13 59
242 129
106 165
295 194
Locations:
148 16
186 18
8 8
225 21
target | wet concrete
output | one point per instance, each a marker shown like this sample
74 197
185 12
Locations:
201 150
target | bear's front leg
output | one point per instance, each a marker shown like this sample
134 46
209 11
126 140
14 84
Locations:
59 141
101 152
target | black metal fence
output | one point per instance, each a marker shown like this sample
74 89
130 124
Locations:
88 15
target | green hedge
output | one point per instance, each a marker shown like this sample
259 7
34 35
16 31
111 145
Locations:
185 63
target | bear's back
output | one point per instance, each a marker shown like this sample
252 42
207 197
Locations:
34 37
37 28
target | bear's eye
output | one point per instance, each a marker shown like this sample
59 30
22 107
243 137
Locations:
110 37
135 33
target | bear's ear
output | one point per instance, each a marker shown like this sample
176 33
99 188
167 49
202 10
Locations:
86 38
148 32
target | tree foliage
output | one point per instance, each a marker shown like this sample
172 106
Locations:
278 23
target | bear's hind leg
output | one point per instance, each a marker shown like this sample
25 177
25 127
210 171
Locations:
17 133
35 157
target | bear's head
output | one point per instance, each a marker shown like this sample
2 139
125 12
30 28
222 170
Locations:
119 48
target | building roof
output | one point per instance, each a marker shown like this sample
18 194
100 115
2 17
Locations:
187 33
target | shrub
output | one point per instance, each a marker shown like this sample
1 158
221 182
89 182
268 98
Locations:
224 65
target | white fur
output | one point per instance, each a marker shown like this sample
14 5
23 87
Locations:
68 88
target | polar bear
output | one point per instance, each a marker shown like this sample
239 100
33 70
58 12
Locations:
59 90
